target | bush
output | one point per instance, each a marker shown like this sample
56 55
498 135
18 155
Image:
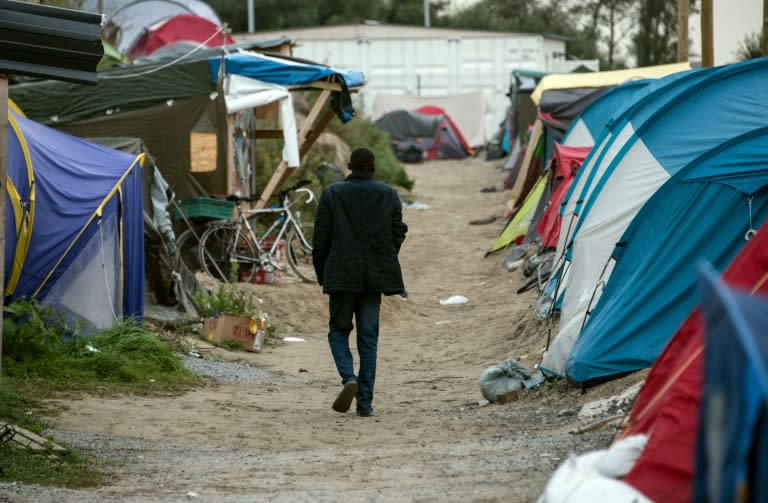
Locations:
361 132
228 299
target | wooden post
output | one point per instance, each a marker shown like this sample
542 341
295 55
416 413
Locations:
765 27
682 31
233 180
3 176
707 35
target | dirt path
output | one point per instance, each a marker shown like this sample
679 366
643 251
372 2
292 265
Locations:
430 440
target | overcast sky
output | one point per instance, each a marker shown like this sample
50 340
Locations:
733 19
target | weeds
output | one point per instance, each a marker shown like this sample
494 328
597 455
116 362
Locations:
43 357
228 299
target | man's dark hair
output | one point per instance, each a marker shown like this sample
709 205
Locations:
362 159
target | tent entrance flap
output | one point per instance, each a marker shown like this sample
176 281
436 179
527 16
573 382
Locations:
90 288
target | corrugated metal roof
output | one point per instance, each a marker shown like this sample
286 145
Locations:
46 41
366 31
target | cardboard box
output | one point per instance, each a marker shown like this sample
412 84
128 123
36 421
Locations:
228 327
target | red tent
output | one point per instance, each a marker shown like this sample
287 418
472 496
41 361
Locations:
565 162
433 151
667 407
180 28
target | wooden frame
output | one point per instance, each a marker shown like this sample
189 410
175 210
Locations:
317 120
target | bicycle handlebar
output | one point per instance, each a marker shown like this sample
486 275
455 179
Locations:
297 185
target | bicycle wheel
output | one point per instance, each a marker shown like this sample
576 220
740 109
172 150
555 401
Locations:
299 255
189 249
227 254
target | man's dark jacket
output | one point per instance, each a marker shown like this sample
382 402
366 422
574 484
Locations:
358 232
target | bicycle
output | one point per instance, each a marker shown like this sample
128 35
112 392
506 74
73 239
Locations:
234 248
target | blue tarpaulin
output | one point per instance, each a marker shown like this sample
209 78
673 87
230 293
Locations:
288 72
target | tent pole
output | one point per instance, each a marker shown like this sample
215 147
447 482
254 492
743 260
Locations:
3 176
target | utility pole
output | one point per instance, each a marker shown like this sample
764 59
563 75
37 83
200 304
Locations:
251 16
426 13
707 35
682 31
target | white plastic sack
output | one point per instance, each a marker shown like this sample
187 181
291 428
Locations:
582 477
597 488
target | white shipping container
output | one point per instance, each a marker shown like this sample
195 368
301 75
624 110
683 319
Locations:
427 62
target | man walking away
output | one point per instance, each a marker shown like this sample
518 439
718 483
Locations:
358 232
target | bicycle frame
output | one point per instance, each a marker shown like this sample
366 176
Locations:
245 246
288 220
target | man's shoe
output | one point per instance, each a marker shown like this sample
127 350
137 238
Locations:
344 401
364 412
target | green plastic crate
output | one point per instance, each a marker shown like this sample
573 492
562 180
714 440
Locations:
205 207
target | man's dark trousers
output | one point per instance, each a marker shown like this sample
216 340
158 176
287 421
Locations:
365 308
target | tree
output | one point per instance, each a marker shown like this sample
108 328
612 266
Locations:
655 42
750 47
527 16
603 24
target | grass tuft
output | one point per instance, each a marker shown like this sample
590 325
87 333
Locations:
44 358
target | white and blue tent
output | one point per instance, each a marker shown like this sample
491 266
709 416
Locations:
589 124
607 113
651 142
707 210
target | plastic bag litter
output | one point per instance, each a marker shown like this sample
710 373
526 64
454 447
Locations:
593 476
455 299
502 378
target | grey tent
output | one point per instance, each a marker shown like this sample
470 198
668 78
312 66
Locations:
416 136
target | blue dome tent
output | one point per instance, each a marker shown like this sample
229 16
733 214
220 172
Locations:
74 232
657 137
703 212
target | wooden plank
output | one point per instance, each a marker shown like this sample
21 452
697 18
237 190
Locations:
283 172
331 86
274 134
33 441
316 131
313 115
233 181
